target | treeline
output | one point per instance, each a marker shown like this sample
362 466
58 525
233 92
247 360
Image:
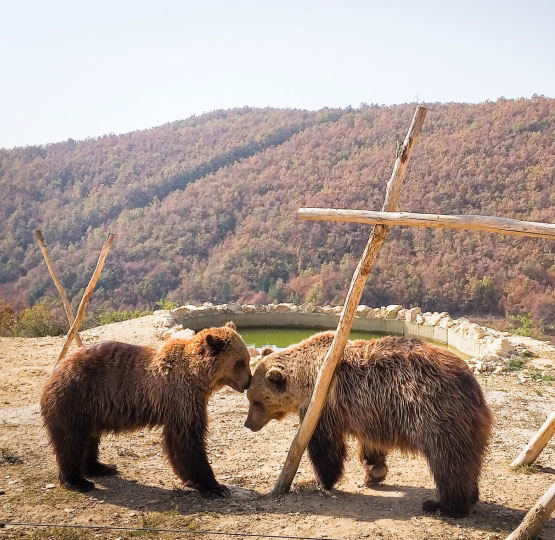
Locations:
206 208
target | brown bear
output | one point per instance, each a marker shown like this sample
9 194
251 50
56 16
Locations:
388 393
116 387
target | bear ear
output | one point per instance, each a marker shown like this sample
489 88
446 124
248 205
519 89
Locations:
277 377
216 344
230 324
266 351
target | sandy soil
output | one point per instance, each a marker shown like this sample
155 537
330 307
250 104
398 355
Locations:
146 493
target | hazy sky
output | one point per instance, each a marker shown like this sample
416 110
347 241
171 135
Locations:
77 69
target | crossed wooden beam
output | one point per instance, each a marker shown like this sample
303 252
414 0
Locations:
74 322
382 220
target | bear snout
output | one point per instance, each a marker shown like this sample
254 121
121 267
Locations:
256 420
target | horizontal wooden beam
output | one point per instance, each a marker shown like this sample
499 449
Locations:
470 222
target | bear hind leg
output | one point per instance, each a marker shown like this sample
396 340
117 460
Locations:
373 462
456 476
92 466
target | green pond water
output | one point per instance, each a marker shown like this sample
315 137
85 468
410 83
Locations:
283 337
279 338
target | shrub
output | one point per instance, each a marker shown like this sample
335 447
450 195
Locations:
45 318
107 316
165 303
524 325
8 318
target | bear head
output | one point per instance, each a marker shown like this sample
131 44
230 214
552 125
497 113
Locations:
272 394
231 364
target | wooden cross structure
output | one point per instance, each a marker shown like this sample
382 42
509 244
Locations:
74 322
382 220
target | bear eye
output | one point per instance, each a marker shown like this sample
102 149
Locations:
257 404
239 364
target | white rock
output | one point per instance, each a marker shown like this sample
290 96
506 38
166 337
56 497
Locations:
501 346
446 322
248 308
234 306
391 311
410 314
362 310
186 333
283 308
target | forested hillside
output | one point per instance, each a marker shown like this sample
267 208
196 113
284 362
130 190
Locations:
205 209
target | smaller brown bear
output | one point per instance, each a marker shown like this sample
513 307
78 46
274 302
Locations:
389 393
116 387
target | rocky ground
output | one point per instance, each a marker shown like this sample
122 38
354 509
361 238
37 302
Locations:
147 494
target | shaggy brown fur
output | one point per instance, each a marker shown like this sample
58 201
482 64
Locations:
388 393
117 387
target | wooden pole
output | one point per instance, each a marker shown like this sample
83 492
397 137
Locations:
61 291
537 443
535 519
470 222
87 295
360 276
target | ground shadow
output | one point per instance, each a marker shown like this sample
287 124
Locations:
366 507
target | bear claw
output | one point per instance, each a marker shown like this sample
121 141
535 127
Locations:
218 492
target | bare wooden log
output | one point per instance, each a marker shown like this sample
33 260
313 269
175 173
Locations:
54 276
537 443
360 276
470 222
537 516
87 295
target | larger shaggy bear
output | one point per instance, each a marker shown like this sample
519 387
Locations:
389 393
117 387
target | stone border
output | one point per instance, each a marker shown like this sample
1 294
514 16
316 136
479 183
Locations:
487 347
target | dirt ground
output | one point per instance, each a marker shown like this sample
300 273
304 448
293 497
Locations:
148 494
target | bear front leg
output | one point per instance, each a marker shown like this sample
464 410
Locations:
69 444
373 462
186 452
327 452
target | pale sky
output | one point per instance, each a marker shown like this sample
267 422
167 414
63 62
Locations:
75 69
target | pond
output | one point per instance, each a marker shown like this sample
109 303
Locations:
279 338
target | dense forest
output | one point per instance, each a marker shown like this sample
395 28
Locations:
205 209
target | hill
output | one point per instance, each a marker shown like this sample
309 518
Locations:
205 209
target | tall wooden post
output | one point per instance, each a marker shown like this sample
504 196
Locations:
54 276
87 295
360 276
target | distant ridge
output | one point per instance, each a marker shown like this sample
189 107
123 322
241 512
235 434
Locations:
205 208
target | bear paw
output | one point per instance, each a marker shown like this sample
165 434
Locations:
375 475
78 484
453 510
219 491
101 469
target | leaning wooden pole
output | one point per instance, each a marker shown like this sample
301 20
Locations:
54 276
535 519
470 222
537 443
87 295
360 276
